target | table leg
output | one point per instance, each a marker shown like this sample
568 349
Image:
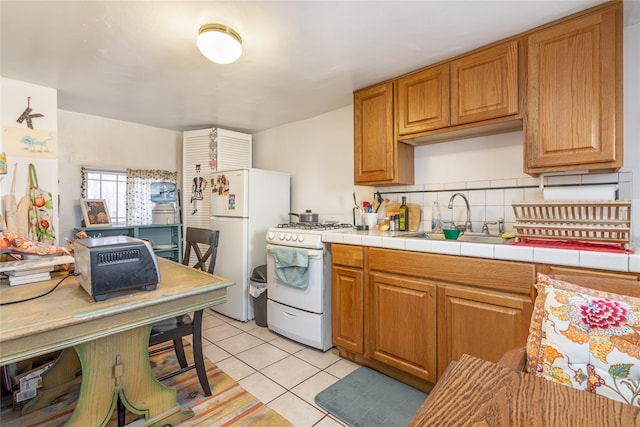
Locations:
119 364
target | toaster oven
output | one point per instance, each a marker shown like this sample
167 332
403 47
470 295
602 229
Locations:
107 266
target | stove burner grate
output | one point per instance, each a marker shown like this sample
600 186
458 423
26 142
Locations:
313 226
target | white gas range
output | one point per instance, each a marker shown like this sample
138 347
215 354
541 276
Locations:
299 282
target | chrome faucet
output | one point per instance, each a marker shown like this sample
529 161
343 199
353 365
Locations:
467 224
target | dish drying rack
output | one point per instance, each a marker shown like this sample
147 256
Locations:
600 222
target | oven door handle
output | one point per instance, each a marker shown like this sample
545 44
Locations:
312 253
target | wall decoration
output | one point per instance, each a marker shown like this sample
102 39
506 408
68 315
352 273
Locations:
213 149
41 210
3 164
197 188
95 213
30 143
26 114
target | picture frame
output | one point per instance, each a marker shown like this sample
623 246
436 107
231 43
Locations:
95 213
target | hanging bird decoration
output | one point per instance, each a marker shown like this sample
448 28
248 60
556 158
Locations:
27 116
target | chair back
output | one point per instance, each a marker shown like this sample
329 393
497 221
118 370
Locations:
197 239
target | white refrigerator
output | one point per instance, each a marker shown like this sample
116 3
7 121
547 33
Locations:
244 204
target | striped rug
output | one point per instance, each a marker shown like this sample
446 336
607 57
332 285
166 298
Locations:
229 404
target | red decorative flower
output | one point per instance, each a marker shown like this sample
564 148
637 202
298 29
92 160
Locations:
603 314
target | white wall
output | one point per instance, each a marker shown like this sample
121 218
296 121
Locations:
318 154
107 144
483 158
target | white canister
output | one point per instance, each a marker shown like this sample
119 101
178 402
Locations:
164 213
371 220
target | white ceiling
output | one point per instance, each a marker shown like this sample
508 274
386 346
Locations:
137 61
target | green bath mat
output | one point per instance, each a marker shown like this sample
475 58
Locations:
367 398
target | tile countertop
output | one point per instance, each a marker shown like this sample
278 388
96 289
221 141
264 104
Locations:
568 257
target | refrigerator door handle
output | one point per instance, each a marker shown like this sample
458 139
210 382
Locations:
227 218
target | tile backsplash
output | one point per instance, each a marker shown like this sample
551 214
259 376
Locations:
490 200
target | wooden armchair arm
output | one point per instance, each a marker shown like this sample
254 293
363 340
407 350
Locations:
515 359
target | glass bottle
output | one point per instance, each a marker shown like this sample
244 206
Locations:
404 215
436 223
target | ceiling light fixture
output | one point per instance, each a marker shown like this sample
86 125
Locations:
219 43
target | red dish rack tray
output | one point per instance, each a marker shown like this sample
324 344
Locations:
606 223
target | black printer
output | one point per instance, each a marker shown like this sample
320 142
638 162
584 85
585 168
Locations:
112 264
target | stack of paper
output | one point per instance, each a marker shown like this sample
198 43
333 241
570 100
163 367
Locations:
21 277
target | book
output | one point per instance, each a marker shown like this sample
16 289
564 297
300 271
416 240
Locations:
30 271
30 278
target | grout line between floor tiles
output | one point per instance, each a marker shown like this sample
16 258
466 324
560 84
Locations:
295 353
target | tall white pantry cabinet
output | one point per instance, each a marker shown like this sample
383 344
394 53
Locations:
205 152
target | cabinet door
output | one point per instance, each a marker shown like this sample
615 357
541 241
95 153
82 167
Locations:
480 323
347 309
574 118
374 143
403 329
484 85
422 100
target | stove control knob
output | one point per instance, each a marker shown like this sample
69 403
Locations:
287 236
271 235
294 237
300 238
281 236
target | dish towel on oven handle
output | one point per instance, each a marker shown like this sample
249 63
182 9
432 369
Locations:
292 266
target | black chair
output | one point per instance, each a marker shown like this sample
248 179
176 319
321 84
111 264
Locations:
174 329
181 326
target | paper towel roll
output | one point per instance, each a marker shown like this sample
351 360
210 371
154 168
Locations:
583 192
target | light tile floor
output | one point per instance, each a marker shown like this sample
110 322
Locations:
283 374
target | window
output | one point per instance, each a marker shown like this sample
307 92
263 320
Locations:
110 185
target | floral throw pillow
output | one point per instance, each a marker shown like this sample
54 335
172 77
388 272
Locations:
586 339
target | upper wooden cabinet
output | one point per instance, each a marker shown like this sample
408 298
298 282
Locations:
378 157
458 98
484 85
422 100
561 83
574 94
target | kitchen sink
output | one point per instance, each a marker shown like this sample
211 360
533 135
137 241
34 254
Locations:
466 237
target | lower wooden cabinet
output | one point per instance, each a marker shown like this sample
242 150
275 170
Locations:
403 324
479 322
347 297
347 309
410 314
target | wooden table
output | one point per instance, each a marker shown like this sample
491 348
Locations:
109 337
474 392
